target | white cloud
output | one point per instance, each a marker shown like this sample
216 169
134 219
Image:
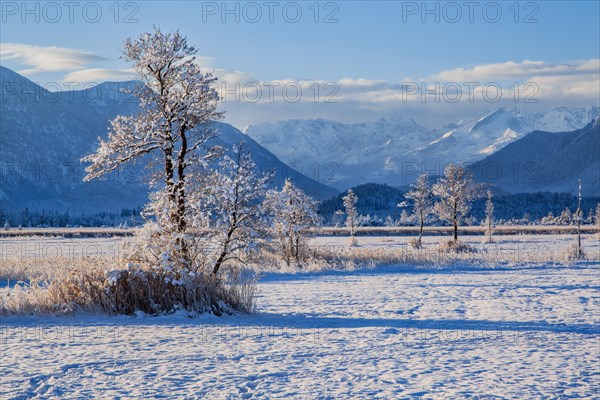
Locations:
550 85
359 83
551 81
516 70
47 59
100 75
249 99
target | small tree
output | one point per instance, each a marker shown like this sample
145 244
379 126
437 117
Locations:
350 204
421 198
389 221
548 219
565 217
293 213
578 217
455 192
489 215
234 205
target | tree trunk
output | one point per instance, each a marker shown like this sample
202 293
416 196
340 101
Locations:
220 260
455 230
180 192
225 250
181 163
290 249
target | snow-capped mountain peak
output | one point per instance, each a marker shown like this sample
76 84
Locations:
366 152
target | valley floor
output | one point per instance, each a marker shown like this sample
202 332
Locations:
390 332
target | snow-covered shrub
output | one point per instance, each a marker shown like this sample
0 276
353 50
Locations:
138 288
132 289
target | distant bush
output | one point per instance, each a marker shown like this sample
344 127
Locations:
415 243
574 253
456 246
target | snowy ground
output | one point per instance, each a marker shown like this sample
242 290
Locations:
524 331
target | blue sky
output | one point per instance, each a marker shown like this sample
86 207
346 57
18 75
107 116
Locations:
366 49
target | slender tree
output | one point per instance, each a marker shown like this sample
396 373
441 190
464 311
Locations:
421 197
350 205
455 192
578 216
489 215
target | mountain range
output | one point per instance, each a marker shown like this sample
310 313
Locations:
44 134
395 150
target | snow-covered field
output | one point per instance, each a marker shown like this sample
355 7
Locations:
521 330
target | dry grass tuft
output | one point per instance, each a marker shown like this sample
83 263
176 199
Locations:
131 290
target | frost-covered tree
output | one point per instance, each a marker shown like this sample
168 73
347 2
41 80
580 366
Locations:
337 218
489 215
233 205
598 218
405 218
455 192
565 217
578 217
548 219
177 104
389 221
421 197
293 213
350 200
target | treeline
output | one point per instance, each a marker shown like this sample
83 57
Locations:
26 218
377 205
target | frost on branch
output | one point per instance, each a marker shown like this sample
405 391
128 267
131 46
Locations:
193 206
231 205
178 103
